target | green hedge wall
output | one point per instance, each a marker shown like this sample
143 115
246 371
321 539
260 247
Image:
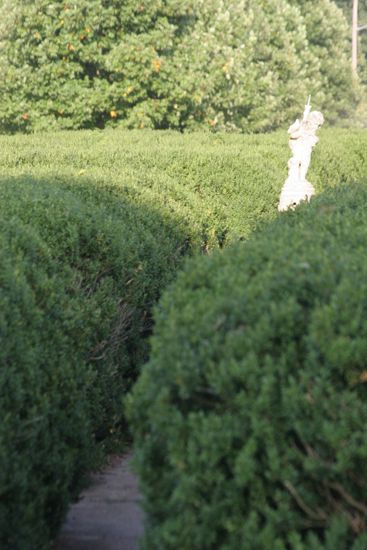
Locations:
95 225
216 187
250 417
77 283
45 429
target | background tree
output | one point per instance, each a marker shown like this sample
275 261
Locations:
245 66
81 63
328 36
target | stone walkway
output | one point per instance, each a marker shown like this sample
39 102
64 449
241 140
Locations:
107 516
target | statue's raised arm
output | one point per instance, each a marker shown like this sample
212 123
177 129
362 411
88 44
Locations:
307 110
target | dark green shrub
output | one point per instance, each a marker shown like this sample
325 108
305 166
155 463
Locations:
77 281
113 213
45 430
250 416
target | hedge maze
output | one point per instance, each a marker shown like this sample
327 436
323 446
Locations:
249 411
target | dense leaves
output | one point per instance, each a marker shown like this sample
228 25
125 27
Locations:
249 418
93 226
246 65
81 64
77 283
334 89
45 431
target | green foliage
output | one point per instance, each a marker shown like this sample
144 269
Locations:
214 188
249 419
93 226
82 64
334 91
45 432
78 64
77 282
360 119
247 65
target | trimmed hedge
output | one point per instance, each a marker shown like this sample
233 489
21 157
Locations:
216 187
250 417
77 283
45 429
95 224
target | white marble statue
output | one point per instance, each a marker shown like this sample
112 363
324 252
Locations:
302 139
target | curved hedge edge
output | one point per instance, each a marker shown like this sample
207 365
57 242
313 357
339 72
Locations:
249 418
77 283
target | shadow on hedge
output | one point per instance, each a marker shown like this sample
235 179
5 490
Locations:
80 268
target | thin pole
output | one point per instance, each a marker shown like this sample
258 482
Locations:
355 35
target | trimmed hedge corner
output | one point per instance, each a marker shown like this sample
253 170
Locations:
250 417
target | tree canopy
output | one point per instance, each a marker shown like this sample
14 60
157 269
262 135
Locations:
245 66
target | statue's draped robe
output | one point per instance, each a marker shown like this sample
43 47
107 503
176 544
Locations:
302 140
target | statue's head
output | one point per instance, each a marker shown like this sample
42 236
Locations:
314 120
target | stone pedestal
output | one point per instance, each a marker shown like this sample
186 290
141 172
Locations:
294 192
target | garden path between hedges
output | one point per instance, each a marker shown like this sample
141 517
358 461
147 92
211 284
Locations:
108 515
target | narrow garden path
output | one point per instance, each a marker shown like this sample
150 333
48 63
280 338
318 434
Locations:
108 515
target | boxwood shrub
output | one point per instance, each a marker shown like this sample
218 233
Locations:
250 416
110 215
77 281
46 436
215 187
